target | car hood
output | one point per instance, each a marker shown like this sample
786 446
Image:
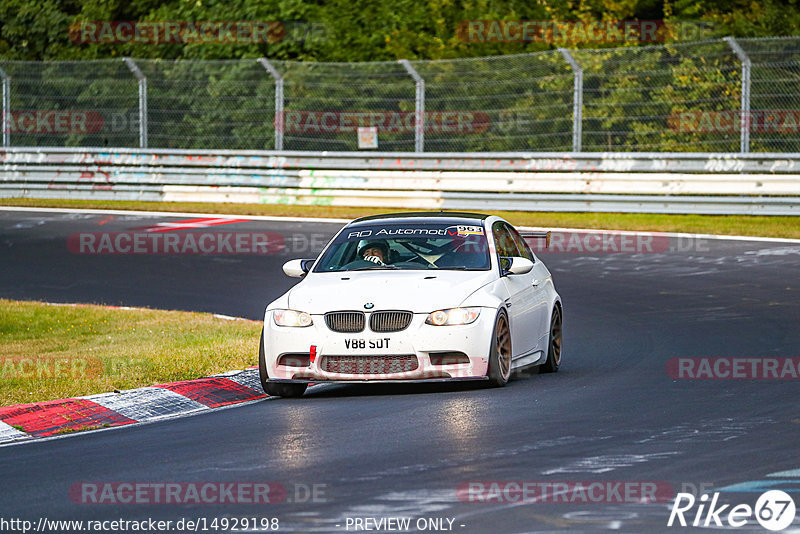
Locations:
416 291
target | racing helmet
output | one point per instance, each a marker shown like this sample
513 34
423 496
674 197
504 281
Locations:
379 243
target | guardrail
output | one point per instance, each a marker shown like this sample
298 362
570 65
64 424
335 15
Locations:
764 184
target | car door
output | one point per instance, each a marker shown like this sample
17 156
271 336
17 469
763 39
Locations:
522 294
538 277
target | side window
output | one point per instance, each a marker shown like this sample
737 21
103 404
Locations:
522 246
504 241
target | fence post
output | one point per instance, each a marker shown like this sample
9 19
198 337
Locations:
744 124
142 100
278 101
419 130
577 100
6 118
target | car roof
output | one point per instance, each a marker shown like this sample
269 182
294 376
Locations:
435 216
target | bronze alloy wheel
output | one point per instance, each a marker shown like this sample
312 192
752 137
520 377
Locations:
500 356
554 346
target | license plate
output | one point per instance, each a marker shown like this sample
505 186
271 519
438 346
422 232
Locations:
375 343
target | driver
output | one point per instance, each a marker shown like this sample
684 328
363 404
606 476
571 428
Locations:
375 251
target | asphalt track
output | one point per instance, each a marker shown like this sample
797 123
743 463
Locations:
612 413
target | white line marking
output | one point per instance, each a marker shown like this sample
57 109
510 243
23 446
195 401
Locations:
111 307
232 318
344 221
668 234
790 473
174 214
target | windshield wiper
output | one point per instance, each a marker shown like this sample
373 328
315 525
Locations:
371 267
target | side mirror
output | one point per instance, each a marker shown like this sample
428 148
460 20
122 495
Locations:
297 268
515 265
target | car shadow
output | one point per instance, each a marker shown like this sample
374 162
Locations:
412 388
378 389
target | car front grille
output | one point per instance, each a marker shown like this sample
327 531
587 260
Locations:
390 321
347 322
369 365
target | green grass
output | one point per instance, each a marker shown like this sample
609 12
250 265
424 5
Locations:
767 226
53 352
81 429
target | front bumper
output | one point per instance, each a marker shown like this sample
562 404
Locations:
376 356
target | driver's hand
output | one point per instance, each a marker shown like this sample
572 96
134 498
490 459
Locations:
374 259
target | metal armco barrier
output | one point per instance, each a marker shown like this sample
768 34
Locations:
764 184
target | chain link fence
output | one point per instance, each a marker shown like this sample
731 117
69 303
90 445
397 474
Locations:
726 95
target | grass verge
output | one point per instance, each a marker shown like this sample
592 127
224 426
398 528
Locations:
54 352
750 225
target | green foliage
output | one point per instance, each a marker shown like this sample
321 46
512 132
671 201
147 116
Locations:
227 99
359 30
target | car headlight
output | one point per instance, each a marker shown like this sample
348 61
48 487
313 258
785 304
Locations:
453 316
291 318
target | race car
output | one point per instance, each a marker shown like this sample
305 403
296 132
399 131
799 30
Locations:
413 297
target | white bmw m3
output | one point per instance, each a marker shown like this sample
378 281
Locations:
413 297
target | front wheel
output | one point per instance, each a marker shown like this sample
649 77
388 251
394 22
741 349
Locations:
554 345
500 352
275 389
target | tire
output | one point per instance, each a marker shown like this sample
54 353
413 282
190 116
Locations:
500 352
553 361
275 389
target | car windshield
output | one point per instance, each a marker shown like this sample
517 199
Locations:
390 246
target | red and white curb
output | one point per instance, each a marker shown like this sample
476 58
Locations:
44 419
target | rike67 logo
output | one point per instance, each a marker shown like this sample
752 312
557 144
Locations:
774 510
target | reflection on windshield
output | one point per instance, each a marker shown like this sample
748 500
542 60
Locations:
407 247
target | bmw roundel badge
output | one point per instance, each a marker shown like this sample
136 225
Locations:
369 306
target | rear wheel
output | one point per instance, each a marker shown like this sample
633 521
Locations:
275 389
500 352
554 344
